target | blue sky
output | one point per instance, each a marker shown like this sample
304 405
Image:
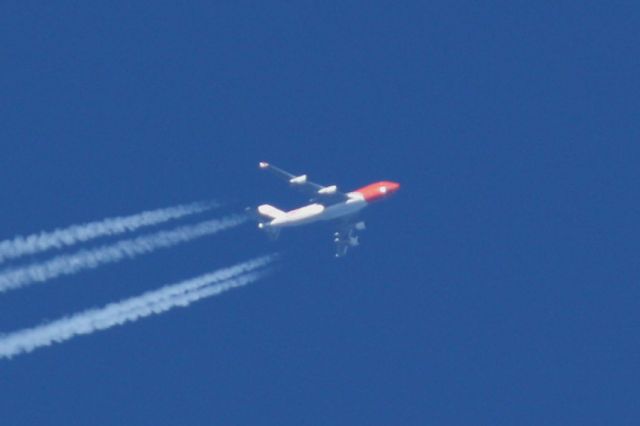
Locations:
499 286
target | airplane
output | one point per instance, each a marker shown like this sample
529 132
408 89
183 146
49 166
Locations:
327 204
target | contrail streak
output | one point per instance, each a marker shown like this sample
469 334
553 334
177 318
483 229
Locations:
58 238
154 302
93 258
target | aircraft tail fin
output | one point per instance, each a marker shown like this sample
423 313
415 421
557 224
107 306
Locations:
270 211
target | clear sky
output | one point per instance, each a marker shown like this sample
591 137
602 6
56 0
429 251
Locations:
499 286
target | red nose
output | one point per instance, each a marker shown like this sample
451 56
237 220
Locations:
378 190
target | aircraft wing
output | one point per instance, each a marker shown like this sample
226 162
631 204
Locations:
316 191
347 236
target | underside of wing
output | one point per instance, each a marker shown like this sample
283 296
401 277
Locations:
317 192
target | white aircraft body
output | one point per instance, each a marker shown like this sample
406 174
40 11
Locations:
328 204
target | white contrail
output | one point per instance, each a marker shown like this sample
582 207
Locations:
93 258
58 238
128 310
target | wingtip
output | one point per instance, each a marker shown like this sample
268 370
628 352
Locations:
263 164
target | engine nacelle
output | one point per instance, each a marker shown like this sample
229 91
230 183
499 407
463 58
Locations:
298 180
328 190
360 226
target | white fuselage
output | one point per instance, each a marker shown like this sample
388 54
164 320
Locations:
317 212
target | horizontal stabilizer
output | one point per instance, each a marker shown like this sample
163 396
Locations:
270 211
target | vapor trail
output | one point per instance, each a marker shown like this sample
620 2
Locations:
36 243
93 258
154 302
